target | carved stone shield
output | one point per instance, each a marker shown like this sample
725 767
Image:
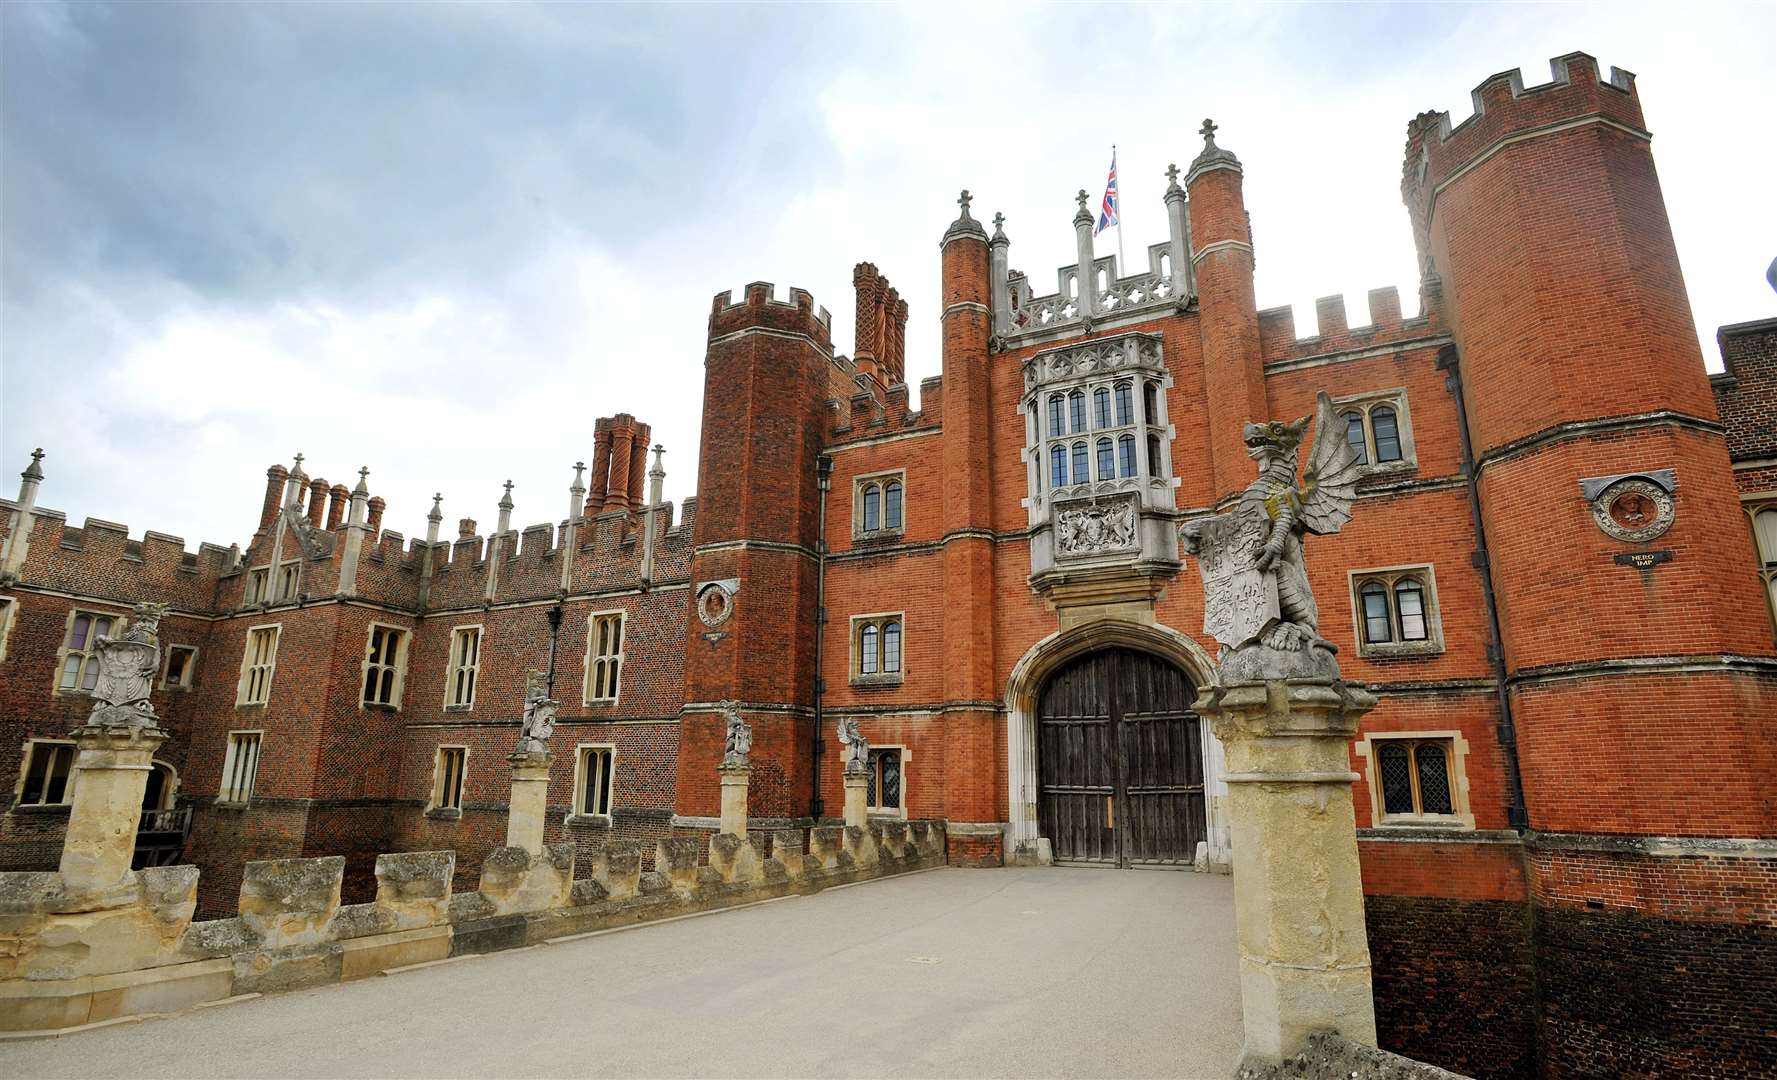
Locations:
1239 600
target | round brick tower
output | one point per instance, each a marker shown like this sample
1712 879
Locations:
1638 660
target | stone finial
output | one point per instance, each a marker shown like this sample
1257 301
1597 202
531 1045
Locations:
34 471
964 224
363 487
1212 154
659 469
1172 177
1082 215
506 499
297 471
999 232
578 487
436 514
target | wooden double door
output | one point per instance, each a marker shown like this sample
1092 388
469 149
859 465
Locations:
1120 762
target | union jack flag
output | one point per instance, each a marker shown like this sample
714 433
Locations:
1107 216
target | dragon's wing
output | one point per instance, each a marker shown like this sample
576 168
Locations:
1330 485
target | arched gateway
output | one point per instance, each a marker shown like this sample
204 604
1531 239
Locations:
1119 757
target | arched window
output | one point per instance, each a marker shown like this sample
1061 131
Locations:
1081 475
1076 408
1125 404
1154 456
1377 625
1126 455
1409 606
1107 460
872 508
1150 403
1058 466
891 647
1387 432
1101 407
867 658
1057 415
891 505
1354 434
1166 266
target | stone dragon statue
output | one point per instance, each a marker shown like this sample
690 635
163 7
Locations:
1257 601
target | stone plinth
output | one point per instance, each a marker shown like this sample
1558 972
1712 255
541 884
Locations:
111 774
530 800
734 798
857 811
1298 897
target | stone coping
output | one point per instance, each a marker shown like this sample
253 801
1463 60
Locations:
72 958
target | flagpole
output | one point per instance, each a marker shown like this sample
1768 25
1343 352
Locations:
1122 263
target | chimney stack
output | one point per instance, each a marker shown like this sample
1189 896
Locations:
317 501
337 506
274 496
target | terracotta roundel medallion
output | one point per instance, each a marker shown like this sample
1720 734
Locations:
1633 509
714 604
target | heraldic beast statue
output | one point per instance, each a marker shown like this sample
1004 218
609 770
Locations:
1256 599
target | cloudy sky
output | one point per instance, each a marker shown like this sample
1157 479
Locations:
440 240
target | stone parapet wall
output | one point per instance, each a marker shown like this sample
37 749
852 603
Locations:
72 958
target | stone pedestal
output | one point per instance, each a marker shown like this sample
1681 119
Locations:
734 798
857 796
530 800
111 774
1298 897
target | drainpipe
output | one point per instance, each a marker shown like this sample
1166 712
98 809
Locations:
1507 730
824 477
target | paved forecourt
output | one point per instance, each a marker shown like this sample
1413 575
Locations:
1017 972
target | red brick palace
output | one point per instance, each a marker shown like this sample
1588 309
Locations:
1559 581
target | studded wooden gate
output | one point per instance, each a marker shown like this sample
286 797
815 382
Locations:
1120 762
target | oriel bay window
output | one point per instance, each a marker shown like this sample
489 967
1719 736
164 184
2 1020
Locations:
1114 455
1396 612
876 649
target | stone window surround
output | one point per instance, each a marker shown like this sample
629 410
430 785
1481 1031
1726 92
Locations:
240 694
435 807
262 590
1753 504
451 667
612 660
577 813
25 759
854 650
1433 644
1161 428
1395 398
166 665
234 744
403 641
896 813
1463 818
885 532
118 624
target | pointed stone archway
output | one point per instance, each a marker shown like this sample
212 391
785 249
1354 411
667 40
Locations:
1050 655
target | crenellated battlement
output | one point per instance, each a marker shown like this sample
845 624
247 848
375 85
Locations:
758 308
99 558
1279 340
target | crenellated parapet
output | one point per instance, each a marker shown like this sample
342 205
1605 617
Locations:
758 310
99 559
1280 343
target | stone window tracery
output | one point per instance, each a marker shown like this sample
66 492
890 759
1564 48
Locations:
876 649
1395 612
240 767
594 769
604 657
465 665
79 665
1377 430
385 664
447 778
879 506
259 662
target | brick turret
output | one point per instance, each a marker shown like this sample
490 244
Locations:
1636 647
969 549
1222 254
765 392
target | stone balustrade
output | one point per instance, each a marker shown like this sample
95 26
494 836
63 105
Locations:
73 955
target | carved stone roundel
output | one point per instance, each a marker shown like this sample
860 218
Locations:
714 604
1633 510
